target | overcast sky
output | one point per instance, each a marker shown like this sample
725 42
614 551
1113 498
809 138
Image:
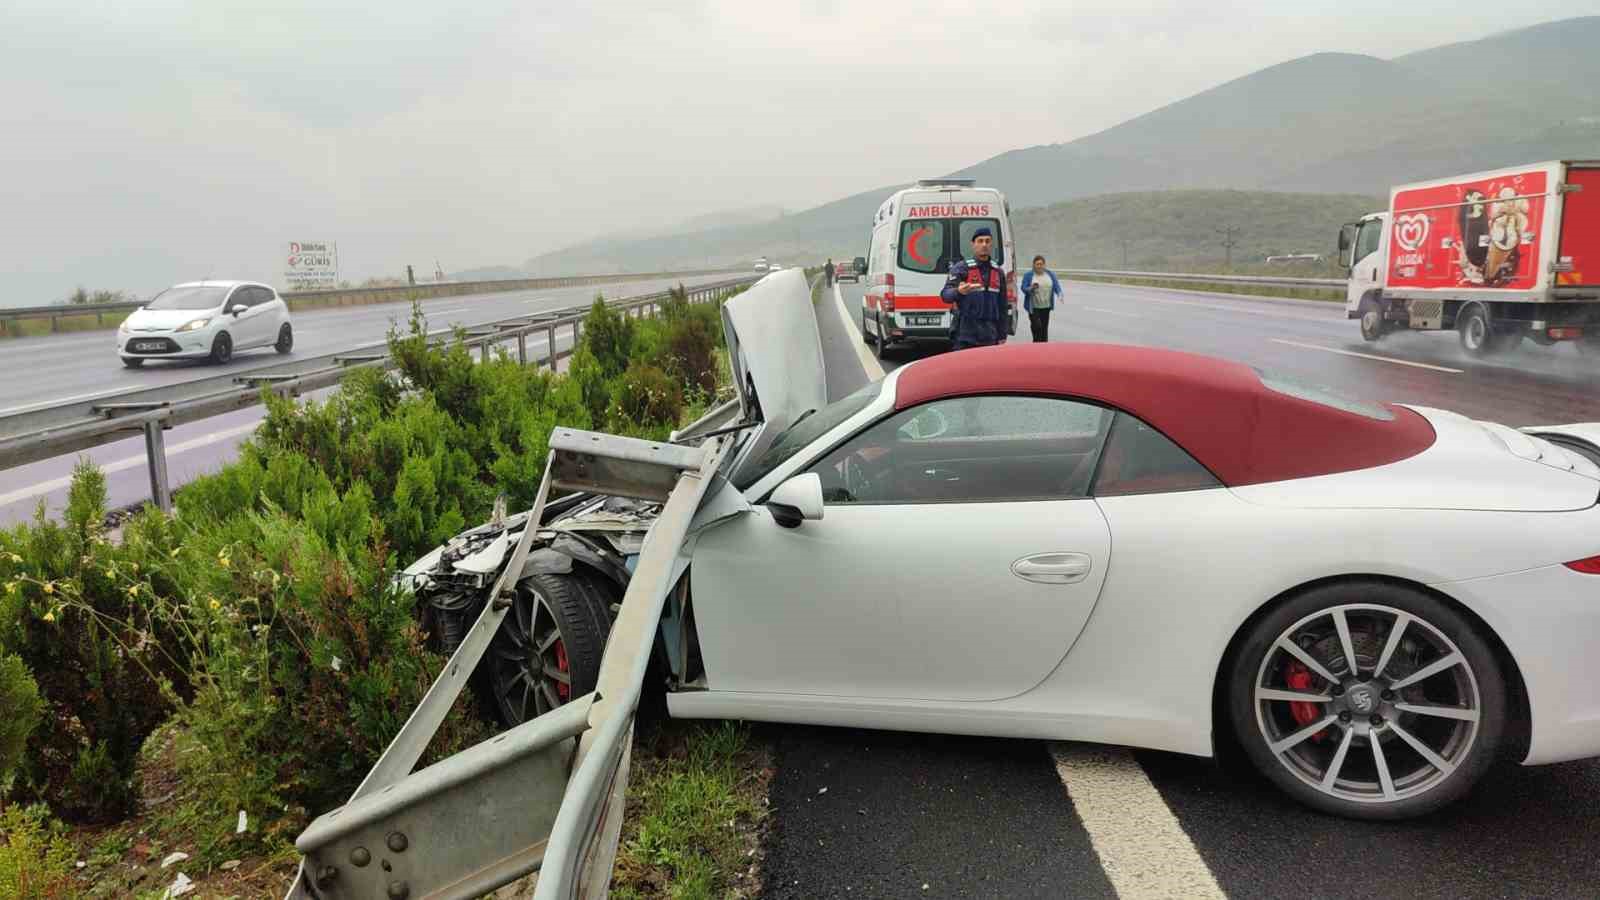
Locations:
147 143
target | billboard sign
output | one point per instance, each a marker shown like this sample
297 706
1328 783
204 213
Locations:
311 265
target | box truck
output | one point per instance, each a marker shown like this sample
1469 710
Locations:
1497 256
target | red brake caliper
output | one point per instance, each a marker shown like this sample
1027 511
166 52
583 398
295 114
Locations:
1298 677
564 691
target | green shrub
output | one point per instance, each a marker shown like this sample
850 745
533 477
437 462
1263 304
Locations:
98 648
609 335
646 399
35 857
19 697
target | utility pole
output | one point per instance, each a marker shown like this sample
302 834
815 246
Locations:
1230 235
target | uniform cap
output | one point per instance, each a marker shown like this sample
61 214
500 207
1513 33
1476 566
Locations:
982 232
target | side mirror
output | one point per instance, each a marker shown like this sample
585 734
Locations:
1347 242
796 500
235 309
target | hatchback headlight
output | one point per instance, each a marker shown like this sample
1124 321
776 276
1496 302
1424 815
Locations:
195 325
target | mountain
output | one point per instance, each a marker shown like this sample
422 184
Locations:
1329 122
1182 229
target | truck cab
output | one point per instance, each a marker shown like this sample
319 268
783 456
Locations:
1363 250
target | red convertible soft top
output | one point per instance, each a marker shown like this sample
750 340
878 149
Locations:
1223 413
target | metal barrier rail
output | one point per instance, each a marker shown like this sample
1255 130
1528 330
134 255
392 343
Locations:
55 313
546 796
59 429
1258 280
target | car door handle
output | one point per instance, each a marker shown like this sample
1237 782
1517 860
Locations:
1053 568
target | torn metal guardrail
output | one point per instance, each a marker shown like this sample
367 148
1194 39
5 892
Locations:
547 795
57 429
1258 280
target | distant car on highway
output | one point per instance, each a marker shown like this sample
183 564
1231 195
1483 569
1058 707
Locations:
206 320
1373 603
850 271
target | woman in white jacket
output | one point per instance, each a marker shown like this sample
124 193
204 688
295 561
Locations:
1040 290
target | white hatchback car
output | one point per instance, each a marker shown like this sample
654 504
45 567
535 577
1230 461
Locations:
206 320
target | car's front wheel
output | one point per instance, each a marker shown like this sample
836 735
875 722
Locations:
222 348
285 339
1368 700
549 645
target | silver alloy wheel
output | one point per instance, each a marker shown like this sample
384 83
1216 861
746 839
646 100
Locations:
1391 708
530 665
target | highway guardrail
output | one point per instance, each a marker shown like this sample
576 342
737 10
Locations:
1251 280
54 429
349 296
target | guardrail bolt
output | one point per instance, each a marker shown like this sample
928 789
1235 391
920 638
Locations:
360 857
396 842
399 890
327 874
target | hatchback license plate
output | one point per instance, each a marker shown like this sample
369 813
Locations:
148 345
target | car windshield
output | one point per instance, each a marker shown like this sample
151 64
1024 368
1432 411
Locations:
806 429
188 298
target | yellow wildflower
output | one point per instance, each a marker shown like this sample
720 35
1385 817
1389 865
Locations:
49 587
215 605
49 616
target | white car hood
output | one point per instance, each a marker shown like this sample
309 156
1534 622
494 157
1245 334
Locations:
775 350
165 319
1471 465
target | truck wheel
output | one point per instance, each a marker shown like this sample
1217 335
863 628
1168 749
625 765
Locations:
1477 338
1373 327
882 344
866 333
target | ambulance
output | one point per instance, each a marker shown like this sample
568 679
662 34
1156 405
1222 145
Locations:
916 234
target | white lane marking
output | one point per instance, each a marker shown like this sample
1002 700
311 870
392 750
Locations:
869 363
1115 312
68 399
1387 359
1256 311
1142 848
130 462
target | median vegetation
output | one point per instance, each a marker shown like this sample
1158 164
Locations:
206 682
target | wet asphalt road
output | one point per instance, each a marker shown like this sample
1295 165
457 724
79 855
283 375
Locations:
56 367
971 817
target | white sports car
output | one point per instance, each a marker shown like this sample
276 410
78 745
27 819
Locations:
1100 543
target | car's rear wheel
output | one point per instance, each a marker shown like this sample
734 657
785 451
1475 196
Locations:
866 333
881 345
548 648
132 362
1368 700
285 339
222 348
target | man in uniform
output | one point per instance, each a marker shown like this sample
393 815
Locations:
980 293
828 271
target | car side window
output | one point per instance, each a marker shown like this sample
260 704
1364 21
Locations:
1141 460
970 450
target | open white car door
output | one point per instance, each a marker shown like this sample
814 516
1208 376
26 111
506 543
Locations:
547 796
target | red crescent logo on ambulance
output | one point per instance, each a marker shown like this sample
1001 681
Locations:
911 246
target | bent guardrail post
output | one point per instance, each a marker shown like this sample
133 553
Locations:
318 875
583 843
484 817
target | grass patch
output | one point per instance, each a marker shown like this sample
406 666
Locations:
1252 290
696 807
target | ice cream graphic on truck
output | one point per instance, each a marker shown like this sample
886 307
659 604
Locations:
1498 256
